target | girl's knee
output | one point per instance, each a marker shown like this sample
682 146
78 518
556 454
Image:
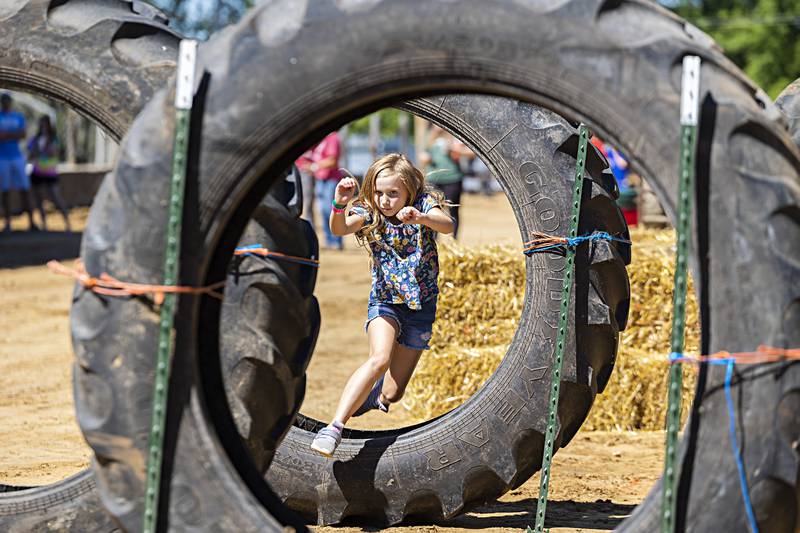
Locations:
393 394
379 363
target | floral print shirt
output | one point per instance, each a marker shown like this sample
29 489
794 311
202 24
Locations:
405 261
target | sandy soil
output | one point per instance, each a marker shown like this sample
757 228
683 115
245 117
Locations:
41 442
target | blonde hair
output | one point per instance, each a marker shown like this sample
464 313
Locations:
410 176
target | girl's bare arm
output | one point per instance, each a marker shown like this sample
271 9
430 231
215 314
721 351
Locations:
436 219
340 223
439 221
345 225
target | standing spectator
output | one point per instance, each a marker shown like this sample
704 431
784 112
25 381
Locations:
484 176
43 149
619 167
444 154
616 162
303 164
324 165
628 192
12 164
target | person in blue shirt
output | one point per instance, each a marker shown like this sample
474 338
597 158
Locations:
619 167
12 164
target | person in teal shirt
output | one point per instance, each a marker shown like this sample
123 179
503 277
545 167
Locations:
444 172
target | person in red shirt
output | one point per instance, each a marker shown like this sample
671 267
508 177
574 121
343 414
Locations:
322 162
303 164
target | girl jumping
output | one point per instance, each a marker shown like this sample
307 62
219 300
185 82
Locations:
395 216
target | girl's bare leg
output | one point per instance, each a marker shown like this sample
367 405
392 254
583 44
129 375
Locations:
404 361
382 333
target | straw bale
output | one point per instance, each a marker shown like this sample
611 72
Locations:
446 378
635 397
480 303
481 297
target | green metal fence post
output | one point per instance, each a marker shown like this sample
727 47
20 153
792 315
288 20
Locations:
689 108
183 105
555 373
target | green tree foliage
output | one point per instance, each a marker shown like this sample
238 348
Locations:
389 120
761 36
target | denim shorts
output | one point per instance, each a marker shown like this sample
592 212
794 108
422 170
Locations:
414 327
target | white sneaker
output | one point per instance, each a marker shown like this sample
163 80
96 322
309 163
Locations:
326 441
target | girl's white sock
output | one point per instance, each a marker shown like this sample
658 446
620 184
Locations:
381 406
338 426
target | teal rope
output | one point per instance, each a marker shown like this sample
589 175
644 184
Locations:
572 242
729 363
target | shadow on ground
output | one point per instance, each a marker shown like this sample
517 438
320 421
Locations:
29 248
601 514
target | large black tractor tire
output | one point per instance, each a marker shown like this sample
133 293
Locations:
495 440
115 341
12 488
614 65
789 104
69 505
263 368
105 61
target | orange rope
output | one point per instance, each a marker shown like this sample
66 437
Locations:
763 354
267 252
110 286
542 240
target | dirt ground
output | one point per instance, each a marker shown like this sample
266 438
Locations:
41 443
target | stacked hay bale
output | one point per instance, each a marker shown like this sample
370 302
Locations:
636 395
480 304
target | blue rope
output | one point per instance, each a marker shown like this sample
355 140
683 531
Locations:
307 262
545 249
729 363
735 445
598 236
575 241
